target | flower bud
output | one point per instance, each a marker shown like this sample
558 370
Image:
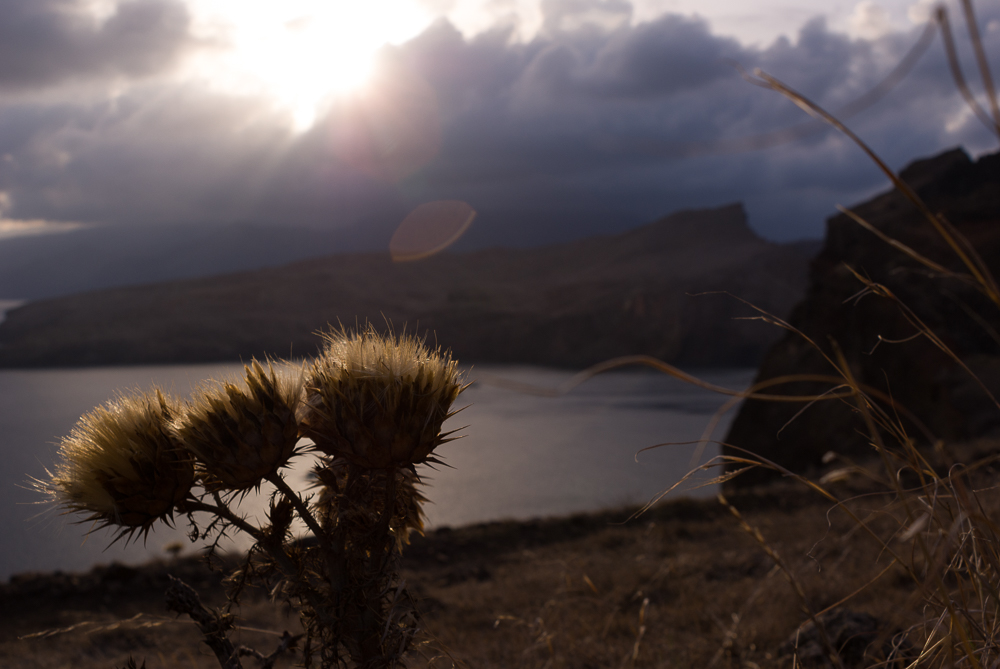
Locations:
241 434
122 465
379 401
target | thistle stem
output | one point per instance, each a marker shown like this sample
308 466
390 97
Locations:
214 626
284 561
300 506
223 512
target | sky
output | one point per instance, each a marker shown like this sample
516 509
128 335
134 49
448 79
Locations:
553 119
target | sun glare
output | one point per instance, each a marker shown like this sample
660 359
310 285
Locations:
299 53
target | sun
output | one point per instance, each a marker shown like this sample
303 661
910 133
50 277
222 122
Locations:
300 54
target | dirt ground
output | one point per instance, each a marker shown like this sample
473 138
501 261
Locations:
682 585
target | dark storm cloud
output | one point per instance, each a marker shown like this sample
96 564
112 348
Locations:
568 99
47 41
647 119
664 57
593 126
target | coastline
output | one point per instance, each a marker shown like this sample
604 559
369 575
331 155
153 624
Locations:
546 592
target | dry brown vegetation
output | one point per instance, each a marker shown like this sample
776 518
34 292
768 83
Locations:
681 585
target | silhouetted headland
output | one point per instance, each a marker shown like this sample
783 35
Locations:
878 337
566 305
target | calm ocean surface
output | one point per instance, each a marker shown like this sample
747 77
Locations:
523 456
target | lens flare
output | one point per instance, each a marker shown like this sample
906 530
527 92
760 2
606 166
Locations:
430 228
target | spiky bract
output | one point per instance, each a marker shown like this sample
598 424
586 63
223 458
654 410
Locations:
377 400
242 433
334 506
122 465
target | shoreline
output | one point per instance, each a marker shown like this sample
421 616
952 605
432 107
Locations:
490 592
497 535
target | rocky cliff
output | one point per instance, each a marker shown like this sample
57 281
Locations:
914 372
566 305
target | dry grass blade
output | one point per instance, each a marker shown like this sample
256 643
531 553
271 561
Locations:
956 73
755 533
666 368
633 657
890 80
923 329
752 460
966 255
91 626
896 244
984 65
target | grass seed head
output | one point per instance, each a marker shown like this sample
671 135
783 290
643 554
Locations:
121 465
242 433
377 400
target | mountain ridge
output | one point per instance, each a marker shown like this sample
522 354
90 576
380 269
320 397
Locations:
572 304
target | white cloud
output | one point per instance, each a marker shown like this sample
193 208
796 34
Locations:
10 228
474 17
869 20
922 11
959 120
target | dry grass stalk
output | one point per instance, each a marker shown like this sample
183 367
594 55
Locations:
952 542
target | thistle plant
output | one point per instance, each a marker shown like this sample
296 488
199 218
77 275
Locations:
372 407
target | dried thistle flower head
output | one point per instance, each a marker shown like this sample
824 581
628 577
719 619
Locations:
121 464
377 400
243 433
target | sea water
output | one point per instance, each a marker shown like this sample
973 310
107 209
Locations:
523 455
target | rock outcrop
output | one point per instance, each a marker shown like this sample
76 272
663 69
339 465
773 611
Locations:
837 316
568 305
